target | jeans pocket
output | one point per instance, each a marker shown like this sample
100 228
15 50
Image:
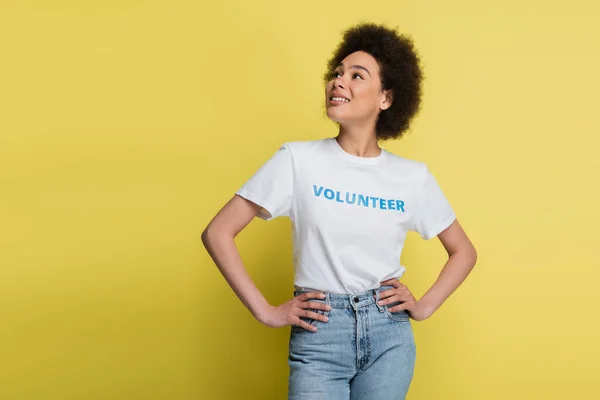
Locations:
399 316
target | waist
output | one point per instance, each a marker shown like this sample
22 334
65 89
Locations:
343 299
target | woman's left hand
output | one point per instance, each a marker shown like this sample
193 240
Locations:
400 292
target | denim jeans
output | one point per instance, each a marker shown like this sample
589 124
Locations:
363 352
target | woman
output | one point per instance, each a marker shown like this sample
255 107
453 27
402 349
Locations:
351 204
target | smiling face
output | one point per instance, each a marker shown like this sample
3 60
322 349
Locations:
356 91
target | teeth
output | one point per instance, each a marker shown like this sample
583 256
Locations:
340 99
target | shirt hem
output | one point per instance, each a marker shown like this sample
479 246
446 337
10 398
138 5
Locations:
440 227
260 202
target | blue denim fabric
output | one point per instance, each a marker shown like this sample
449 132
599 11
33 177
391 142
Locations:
363 352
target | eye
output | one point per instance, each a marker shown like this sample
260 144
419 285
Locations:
334 74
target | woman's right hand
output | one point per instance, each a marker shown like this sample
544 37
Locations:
289 313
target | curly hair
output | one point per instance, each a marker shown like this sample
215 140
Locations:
399 70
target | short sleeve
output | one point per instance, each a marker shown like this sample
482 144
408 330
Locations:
272 186
433 212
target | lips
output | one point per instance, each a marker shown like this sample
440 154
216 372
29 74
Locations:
337 94
336 101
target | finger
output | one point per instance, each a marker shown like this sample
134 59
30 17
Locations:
404 289
316 305
405 294
311 295
395 282
305 325
392 282
408 296
314 315
391 299
387 293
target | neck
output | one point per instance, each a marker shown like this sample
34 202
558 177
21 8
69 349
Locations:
356 142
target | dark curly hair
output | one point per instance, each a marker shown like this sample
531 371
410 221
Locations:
400 71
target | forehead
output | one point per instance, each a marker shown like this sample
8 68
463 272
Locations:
361 58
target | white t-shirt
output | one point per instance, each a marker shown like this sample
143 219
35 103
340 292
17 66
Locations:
350 214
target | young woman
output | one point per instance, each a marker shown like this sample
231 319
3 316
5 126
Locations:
351 204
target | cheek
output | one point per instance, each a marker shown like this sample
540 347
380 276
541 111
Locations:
367 98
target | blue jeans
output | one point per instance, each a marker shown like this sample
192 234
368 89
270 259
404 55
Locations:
363 352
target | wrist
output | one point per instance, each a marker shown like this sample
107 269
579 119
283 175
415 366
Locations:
427 306
262 312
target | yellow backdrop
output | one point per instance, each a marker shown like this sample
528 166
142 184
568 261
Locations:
126 125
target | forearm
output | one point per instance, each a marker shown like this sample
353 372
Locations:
457 268
226 256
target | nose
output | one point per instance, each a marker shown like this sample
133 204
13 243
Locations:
336 83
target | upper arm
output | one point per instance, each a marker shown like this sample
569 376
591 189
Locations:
455 239
235 215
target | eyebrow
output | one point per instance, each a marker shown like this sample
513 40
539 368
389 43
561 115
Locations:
355 66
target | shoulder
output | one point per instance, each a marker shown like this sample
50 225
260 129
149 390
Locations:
300 149
414 169
304 145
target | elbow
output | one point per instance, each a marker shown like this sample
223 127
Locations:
473 255
213 233
206 234
467 254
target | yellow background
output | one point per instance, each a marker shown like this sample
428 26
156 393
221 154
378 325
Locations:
126 125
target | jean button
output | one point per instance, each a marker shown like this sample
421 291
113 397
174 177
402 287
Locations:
356 299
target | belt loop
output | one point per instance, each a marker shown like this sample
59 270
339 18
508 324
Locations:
379 306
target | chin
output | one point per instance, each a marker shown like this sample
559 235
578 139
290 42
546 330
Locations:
335 117
337 120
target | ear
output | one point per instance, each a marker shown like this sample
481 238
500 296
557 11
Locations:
388 98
